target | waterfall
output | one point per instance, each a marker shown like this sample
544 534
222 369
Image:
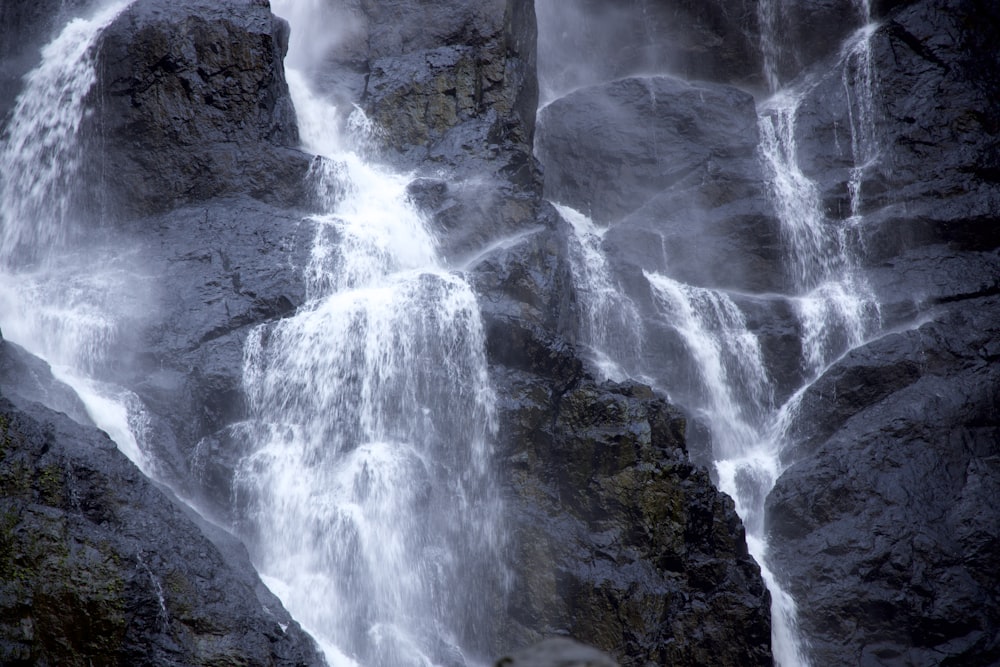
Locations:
732 391
835 307
610 324
368 499
860 93
63 305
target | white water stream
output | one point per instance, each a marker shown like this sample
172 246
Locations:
835 309
370 501
369 496
63 304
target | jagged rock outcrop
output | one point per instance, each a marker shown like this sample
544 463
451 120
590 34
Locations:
100 565
221 268
617 537
887 528
194 105
450 85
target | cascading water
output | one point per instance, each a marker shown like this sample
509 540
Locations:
64 305
368 498
735 396
610 326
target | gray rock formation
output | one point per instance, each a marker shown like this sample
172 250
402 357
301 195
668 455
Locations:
887 517
592 41
194 105
99 565
557 652
674 166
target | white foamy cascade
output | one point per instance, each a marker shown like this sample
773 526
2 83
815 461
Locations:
860 91
368 495
768 15
837 310
41 155
64 306
731 390
737 405
611 326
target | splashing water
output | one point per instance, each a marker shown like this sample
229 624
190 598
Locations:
54 300
835 308
368 499
610 324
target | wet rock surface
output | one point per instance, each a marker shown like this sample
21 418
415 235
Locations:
101 566
886 518
889 526
618 537
194 105
557 652
591 41
885 525
672 166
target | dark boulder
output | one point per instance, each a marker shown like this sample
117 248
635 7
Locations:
221 268
610 148
100 565
34 382
618 537
934 129
193 105
887 527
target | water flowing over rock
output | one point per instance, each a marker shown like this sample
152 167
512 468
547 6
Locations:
671 163
101 565
700 368
894 466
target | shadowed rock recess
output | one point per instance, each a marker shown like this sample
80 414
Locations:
885 526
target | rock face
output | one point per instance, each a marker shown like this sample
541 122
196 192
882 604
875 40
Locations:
449 84
100 565
557 652
591 41
195 105
674 167
881 525
623 541
889 509
617 537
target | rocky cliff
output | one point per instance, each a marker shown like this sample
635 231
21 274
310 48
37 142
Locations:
883 518
102 566
616 537
883 524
